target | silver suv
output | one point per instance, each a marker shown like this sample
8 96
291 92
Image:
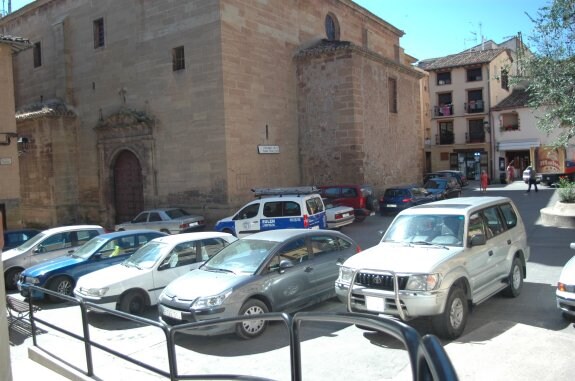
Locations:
46 245
438 260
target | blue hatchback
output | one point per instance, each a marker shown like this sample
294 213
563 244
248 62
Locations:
399 198
60 274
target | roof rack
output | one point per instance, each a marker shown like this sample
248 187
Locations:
294 191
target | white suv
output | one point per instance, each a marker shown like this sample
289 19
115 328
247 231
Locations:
277 208
438 260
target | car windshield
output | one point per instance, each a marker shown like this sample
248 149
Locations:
148 255
243 256
90 247
176 213
31 242
425 229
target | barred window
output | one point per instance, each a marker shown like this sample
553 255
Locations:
98 33
178 58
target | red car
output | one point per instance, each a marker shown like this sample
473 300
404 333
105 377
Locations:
359 197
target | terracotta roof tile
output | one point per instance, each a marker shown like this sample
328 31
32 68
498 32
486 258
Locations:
517 98
460 59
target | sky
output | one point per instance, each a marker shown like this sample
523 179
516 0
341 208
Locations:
436 28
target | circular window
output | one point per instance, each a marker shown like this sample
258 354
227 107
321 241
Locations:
331 27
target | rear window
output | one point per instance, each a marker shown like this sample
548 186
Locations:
314 205
395 193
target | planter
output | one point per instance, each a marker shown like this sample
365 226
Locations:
562 215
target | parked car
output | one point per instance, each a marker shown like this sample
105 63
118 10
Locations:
338 216
443 174
396 199
60 274
460 176
16 237
565 293
167 220
360 197
46 245
273 271
277 208
443 188
439 260
136 283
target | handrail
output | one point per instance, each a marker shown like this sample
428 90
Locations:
428 359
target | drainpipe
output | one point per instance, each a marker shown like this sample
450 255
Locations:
490 163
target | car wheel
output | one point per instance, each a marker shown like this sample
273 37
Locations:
252 328
515 279
451 323
11 278
62 285
133 303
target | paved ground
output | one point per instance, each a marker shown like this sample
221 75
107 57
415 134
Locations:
527 346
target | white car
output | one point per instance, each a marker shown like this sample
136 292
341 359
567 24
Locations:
439 260
137 282
338 216
565 292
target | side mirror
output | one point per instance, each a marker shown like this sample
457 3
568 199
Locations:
477 240
285 264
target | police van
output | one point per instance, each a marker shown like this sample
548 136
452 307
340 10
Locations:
277 208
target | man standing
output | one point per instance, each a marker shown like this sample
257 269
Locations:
532 179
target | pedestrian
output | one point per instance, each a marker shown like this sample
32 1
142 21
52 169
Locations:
510 172
484 181
532 179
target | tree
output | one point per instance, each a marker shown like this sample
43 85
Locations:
550 70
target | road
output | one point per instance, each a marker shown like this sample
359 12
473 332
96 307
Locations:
521 338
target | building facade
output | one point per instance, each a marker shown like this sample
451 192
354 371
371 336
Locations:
137 104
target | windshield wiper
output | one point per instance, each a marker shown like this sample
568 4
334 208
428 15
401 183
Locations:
219 270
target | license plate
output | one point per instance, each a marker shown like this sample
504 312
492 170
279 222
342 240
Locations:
345 215
174 314
391 206
375 304
192 224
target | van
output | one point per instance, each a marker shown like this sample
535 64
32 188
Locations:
277 208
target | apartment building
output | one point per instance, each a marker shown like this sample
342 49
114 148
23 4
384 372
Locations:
463 88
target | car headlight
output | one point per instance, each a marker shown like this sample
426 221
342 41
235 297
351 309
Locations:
93 291
31 280
422 282
212 301
345 274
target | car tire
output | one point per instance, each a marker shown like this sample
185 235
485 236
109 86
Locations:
451 323
61 284
250 329
11 278
515 279
133 302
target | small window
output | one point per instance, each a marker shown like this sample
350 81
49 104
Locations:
314 205
98 33
323 245
295 251
474 74
392 88
444 78
291 208
178 58
155 217
211 247
37 54
142 217
504 79
509 215
273 209
331 192
331 27
494 224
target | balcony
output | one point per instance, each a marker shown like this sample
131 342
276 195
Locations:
473 107
510 127
444 139
474 138
446 110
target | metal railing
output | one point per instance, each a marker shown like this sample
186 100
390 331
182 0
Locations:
428 359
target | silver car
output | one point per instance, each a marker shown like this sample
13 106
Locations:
274 271
46 245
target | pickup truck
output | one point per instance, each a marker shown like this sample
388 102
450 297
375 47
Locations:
167 220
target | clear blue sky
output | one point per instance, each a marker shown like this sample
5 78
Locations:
435 28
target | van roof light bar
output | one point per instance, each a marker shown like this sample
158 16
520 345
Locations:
296 191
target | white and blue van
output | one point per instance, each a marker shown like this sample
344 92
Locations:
277 208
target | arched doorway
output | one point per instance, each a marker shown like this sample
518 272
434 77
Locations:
128 186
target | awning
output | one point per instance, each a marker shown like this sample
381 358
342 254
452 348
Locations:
514 145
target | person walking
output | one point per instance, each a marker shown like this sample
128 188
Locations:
510 172
484 181
532 179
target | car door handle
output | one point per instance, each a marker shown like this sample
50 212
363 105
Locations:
308 269
490 253
509 242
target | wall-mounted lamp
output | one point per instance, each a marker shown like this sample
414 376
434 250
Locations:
7 137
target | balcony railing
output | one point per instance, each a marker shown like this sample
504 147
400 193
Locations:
445 110
475 138
474 106
442 139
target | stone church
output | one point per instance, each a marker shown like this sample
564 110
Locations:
134 104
